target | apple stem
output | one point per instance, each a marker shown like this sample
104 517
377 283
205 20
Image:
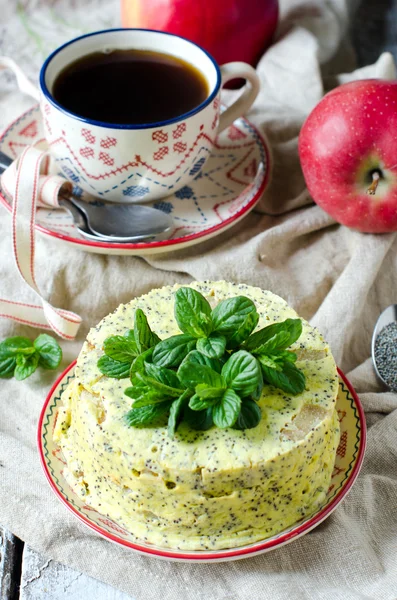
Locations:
375 180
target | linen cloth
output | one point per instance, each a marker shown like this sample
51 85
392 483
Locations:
337 278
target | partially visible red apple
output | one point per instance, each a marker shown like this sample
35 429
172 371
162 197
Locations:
348 153
227 29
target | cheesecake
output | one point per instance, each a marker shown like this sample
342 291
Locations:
201 490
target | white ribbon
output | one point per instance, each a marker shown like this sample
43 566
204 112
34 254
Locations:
28 183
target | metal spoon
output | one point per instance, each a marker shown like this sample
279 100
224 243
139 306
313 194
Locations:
122 222
117 223
82 225
87 233
388 316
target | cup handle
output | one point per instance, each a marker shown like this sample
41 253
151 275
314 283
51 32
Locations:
24 84
235 70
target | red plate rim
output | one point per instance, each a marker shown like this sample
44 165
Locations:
197 556
164 243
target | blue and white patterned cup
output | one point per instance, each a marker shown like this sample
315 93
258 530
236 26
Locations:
137 163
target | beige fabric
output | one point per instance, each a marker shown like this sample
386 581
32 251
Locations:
339 279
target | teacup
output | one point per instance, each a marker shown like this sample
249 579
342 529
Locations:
131 162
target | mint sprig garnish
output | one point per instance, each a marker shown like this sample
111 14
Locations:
242 373
235 318
147 415
144 337
249 417
171 352
114 368
213 346
125 354
277 336
121 348
20 356
213 373
192 313
269 347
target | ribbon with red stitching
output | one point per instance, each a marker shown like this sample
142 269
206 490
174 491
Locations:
28 183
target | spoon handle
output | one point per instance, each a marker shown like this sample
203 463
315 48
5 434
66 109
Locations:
5 162
78 216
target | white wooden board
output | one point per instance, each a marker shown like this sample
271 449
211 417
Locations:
44 579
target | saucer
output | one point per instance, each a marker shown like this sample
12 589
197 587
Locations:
349 457
225 190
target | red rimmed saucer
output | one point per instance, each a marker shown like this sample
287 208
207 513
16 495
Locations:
349 458
225 190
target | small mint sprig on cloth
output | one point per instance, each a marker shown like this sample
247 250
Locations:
20 357
212 373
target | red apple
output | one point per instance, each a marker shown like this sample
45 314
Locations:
227 29
348 153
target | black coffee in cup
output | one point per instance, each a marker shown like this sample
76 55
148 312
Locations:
130 87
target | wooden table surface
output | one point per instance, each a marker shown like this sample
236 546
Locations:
26 574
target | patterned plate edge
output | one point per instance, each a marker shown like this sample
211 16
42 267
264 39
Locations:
258 547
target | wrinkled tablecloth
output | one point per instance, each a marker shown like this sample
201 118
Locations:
338 279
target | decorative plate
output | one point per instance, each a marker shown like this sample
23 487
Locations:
349 457
230 184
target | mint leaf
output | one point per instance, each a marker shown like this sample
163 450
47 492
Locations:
191 374
275 337
176 413
249 416
146 415
204 391
242 372
161 388
25 351
143 396
172 351
196 357
290 379
138 365
277 360
285 355
7 366
163 375
268 361
20 357
145 390
235 318
113 368
226 411
200 421
50 352
192 313
121 348
13 345
257 393
213 346
145 338
196 403
26 365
